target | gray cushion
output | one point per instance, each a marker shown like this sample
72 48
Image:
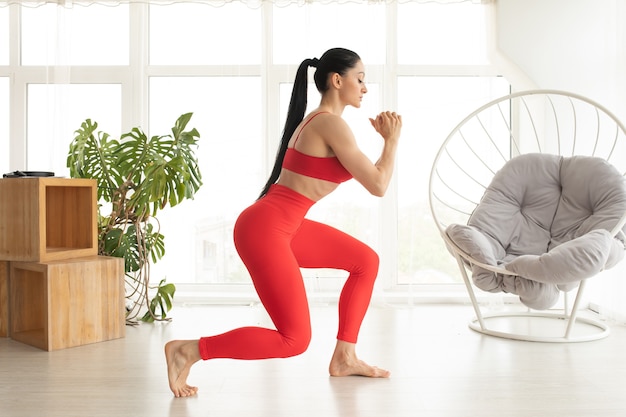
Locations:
483 249
545 218
571 261
593 197
518 207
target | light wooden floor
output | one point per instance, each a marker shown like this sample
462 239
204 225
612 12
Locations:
439 368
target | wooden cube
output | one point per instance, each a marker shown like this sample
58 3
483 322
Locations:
61 304
45 219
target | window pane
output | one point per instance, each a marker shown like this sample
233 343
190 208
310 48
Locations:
55 112
199 245
301 32
441 34
4 124
94 35
200 34
431 107
4 36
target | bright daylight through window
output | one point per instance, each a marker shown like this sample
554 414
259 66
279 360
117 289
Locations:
428 61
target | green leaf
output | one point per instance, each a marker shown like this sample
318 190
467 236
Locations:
161 303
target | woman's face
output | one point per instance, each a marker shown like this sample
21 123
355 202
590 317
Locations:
353 85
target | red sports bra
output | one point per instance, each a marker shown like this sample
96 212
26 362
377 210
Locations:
322 168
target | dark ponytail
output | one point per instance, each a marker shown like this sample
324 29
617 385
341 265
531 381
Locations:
336 60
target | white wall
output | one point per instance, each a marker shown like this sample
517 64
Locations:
574 45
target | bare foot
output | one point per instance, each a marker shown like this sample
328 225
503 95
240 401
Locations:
345 363
180 355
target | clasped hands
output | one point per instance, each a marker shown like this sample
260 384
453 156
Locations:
388 124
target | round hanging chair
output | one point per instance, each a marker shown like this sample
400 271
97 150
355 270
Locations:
529 195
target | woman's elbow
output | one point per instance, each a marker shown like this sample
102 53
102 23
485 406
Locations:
378 190
375 186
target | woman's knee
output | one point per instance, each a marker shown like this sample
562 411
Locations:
373 260
368 263
297 344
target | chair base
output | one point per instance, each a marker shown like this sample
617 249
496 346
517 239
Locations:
540 327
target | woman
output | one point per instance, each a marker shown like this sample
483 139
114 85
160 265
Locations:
274 240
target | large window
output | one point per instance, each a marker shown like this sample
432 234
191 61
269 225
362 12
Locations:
232 66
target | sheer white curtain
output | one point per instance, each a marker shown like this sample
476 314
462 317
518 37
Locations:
251 3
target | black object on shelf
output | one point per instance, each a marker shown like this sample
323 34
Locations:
22 174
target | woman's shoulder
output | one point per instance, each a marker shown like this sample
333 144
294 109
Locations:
327 122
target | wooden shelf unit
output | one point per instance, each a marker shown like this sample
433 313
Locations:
67 303
55 291
46 219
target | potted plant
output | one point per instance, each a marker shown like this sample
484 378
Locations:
137 177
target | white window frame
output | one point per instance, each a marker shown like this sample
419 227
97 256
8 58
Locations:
134 81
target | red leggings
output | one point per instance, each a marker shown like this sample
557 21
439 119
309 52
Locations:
274 240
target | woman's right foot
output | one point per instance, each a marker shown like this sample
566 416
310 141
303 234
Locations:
180 355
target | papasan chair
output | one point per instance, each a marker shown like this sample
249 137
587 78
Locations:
529 195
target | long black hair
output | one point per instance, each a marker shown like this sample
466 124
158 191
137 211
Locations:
336 60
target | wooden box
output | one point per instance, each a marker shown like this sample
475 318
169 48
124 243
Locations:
45 219
62 304
4 299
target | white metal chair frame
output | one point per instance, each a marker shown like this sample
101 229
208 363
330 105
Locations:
543 121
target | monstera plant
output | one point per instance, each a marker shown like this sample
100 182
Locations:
137 177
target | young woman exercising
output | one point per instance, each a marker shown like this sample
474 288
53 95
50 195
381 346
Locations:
275 240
